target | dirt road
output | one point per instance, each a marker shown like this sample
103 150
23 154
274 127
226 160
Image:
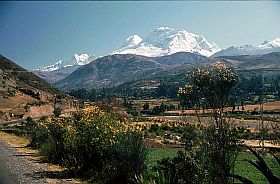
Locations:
15 169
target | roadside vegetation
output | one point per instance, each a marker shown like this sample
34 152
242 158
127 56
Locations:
93 144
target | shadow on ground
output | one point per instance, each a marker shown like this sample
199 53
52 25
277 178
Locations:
53 174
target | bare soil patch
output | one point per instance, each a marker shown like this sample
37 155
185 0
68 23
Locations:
257 143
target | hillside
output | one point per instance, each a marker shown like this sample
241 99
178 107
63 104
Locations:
23 94
24 78
263 48
267 64
114 70
266 61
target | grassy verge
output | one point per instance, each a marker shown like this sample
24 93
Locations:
242 167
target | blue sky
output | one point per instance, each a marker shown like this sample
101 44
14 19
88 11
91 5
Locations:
35 34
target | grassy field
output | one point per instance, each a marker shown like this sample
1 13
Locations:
156 154
242 167
245 169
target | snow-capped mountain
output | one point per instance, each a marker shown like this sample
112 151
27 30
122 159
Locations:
263 48
83 59
131 42
52 67
63 67
165 41
76 60
272 44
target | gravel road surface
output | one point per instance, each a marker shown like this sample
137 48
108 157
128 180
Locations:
15 169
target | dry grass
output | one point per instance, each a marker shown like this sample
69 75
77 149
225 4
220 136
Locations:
16 102
20 144
267 107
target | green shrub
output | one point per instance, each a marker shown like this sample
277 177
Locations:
57 112
47 149
154 127
184 168
127 158
39 135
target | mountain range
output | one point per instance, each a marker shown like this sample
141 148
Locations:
160 42
115 70
163 49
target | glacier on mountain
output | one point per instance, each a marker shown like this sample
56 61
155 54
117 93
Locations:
76 60
82 59
165 41
52 67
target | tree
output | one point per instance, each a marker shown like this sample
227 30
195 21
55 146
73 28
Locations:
146 106
57 112
209 88
29 119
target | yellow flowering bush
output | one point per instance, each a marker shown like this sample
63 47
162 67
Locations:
94 141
